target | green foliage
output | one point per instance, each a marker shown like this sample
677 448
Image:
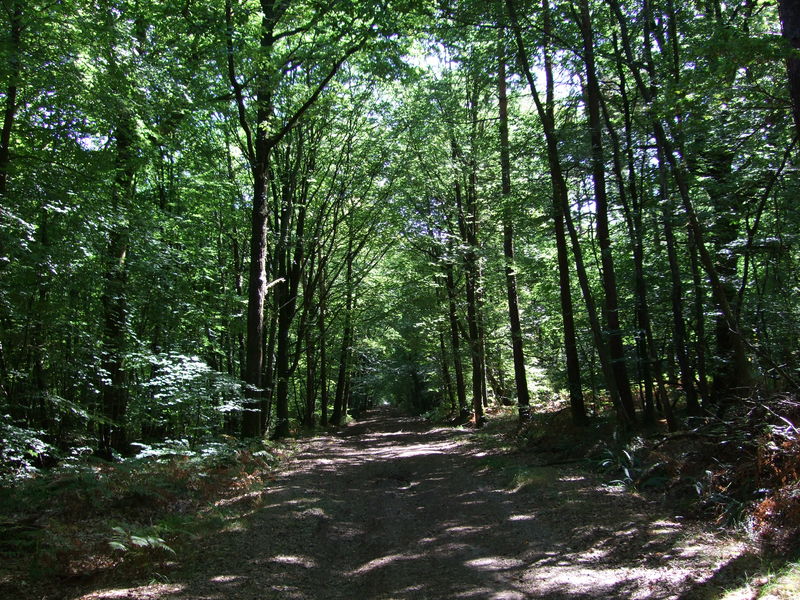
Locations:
624 461
139 540
183 395
20 451
374 171
96 515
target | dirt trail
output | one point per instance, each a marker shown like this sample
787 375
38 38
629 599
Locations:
394 509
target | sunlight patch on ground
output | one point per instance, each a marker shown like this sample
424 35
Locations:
466 529
291 559
235 525
412 589
664 528
494 563
689 551
522 518
576 579
483 592
381 562
154 591
228 501
226 578
417 450
313 512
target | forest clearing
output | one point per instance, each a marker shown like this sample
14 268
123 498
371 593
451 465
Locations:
399 298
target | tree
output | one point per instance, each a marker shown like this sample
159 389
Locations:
790 25
278 26
520 376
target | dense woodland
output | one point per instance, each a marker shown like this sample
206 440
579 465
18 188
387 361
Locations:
252 218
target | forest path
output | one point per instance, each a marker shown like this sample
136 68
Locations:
393 508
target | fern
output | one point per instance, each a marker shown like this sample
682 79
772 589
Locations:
125 541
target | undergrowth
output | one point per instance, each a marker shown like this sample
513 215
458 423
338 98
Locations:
83 519
738 471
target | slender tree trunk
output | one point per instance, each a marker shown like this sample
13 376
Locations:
632 209
611 301
545 111
455 341
725 199
340 399
282 368
257 281
625 410
259 149
789 11
14 73
309 418
467 219
520 376
447 381
38 327
269 372
290 260
679 326
742 374
698 307
323 358
115 324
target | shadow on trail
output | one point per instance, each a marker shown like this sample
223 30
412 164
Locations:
391 508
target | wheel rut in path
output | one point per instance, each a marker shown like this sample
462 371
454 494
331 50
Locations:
393 508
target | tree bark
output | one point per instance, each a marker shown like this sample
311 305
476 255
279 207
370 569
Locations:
340 399
323 358
520 375
611 300
14 74
679 326
467 222
789 11
114 300
633 209
455 341
741 371
546 112
447 381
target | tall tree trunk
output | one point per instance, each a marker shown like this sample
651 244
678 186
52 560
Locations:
309 417
323 358
467 222
269 352
347 340
520 376
14 73
259 150
679 326
789 11
282 366
114 392
545 111
742 373
611 301
447 381
289 258
632 209
455 341
698 309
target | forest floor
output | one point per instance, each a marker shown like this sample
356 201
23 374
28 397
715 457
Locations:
395 508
